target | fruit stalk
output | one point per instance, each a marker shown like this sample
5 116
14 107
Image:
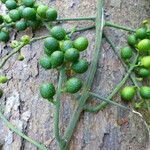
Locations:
107 23
92 70
117 88
18 132
57 107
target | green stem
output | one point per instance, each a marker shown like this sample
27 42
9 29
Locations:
92 70
115 91
108 101
109 24
57 107
132 75
76 19
16 50
18 132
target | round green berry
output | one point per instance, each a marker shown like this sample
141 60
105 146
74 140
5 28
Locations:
3 79
15 15
128 93
51 44
80 66
58 33
143 72
51 14
41 11
141 33
126 53
132 40
21 25
34 24
45 62
4 36
144 46
145 92
29 13
47 90
81 43
145 61
57 59
71 55
66 45
73 85
11 4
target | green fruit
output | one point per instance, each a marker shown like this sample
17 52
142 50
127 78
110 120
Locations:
80 66
128 93
144 46
34 24
7 19
45 62
21 25
25 39
58 33
143 72
132 41
28 3
73 85
14 44
141 33
20 57
1 93
1 19
47 51
15 15
71 55
51 44
66 45
51 14
145 92
20 9
126 53
11 4
41 11
4 36
3 79
81 43
57 58
47 90
145 61
29 13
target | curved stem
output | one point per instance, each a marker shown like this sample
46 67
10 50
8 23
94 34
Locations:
108 101
76 19
92 70
117 88
16 50
109 24
57 108
18 132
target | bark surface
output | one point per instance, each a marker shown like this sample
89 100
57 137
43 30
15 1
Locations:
110 129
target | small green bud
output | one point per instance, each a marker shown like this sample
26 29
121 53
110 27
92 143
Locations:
20 57
14 44
3 79
7 19
25 39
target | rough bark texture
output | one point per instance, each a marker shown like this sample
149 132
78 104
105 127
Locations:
111 129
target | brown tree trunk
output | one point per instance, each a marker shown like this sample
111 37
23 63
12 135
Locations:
110 129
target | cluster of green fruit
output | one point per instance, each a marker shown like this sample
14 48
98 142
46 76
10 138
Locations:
23 14
140 42
60 51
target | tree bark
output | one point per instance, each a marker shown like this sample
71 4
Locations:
110 129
